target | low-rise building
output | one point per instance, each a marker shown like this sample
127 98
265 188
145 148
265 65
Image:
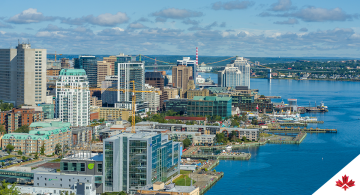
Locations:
111 113
159 188
171 93
191 93
53 72
250 134
81 135
177 105
94 101
18 117
209 106
206 140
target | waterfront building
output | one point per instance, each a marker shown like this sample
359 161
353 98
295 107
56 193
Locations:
33 141
23 74
103 70
205 140
203 68
152 99
189 63
132 161
156 79
239 133
209 105
111 113
230 77
18 117
159 188
128 72
73 97
109 94
89 64
176 105
244 67
181 75
264 105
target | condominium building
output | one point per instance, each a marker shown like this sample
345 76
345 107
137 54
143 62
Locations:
73 97
94 101
23 74
111 60
33 141
103 70
152 99
132 161
181 75
89 64
111 113
109 94
122 58
230 77
244 67
18 117
190 63
129 72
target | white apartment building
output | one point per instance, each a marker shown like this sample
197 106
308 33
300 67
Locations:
244 67
153 99
23 75
73 97
230 77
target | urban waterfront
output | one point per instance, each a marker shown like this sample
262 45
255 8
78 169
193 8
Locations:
303 168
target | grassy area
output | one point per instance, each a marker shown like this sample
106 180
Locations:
5 157
265 135
185 172
181 181
56 160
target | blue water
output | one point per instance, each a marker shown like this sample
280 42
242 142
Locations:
299 169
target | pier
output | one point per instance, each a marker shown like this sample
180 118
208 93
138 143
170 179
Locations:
310 130
239 156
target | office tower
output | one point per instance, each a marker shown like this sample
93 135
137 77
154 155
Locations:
121 58
128 72
156 79
230 77
103 70
89 64
109 92
73 97
65 63
152 99
244 67
111 60
132 161
190 63
180 76
23 74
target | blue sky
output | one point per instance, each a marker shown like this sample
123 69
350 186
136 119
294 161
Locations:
259 28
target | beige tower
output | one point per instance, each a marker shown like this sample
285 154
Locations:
103 70
180 76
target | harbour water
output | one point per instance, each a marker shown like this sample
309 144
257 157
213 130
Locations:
299 169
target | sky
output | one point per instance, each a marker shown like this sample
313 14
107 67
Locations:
258 28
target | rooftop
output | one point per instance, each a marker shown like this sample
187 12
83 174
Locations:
212 98
73 72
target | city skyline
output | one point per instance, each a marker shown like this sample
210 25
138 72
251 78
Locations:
248 28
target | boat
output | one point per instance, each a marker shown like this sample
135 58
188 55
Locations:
228 147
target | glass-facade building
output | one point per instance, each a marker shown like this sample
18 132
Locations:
134 160
209 105
49 110
122 59
89 64
176 105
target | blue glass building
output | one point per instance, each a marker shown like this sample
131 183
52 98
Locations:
89 64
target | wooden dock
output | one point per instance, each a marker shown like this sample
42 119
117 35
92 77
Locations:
293 124
309 130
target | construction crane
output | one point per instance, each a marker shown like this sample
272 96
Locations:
133 91
54 54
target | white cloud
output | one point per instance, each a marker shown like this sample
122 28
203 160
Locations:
30 15
230 5
101 20
282 5
174 13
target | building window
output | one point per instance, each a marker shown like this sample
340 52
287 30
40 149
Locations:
99 168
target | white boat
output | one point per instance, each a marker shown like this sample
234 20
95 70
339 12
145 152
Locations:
228 147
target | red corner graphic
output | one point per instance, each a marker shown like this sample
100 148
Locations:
345 184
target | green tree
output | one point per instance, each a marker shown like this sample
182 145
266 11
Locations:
262 96
42 150
7 188
9 148
218 118
243 138
2 164
235 123
137 119
36 155
2 129
23 158
186 142
102 120
19 152
23 129
254 121
220 138
57 148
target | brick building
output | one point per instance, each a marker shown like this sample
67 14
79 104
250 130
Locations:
18 117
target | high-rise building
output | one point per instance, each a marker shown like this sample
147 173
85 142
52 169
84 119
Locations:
152 99
230 77
190 63
23 74
244 67
132 161
109 92
128 72
89 64
111 60
103 70
65 63
181 75
122 58
156 79
73 97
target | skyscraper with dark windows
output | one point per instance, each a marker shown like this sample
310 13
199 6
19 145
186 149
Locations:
89 64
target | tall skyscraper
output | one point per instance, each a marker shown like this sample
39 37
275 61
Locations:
103 70
190 63
244 67
230 76
122 58
23 74
132 161
128 72
89 64
180 76
109 92
73 97
111 60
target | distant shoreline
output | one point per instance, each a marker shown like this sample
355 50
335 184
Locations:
308 79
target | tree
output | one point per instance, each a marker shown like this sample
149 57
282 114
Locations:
262 96
254 121
57 148
235 123
2 164
102 120
218 118
186 142
243 138
5 189
42 150
137 119
2 129
9 148
23 158
19 152
220 138
23 129
36 155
